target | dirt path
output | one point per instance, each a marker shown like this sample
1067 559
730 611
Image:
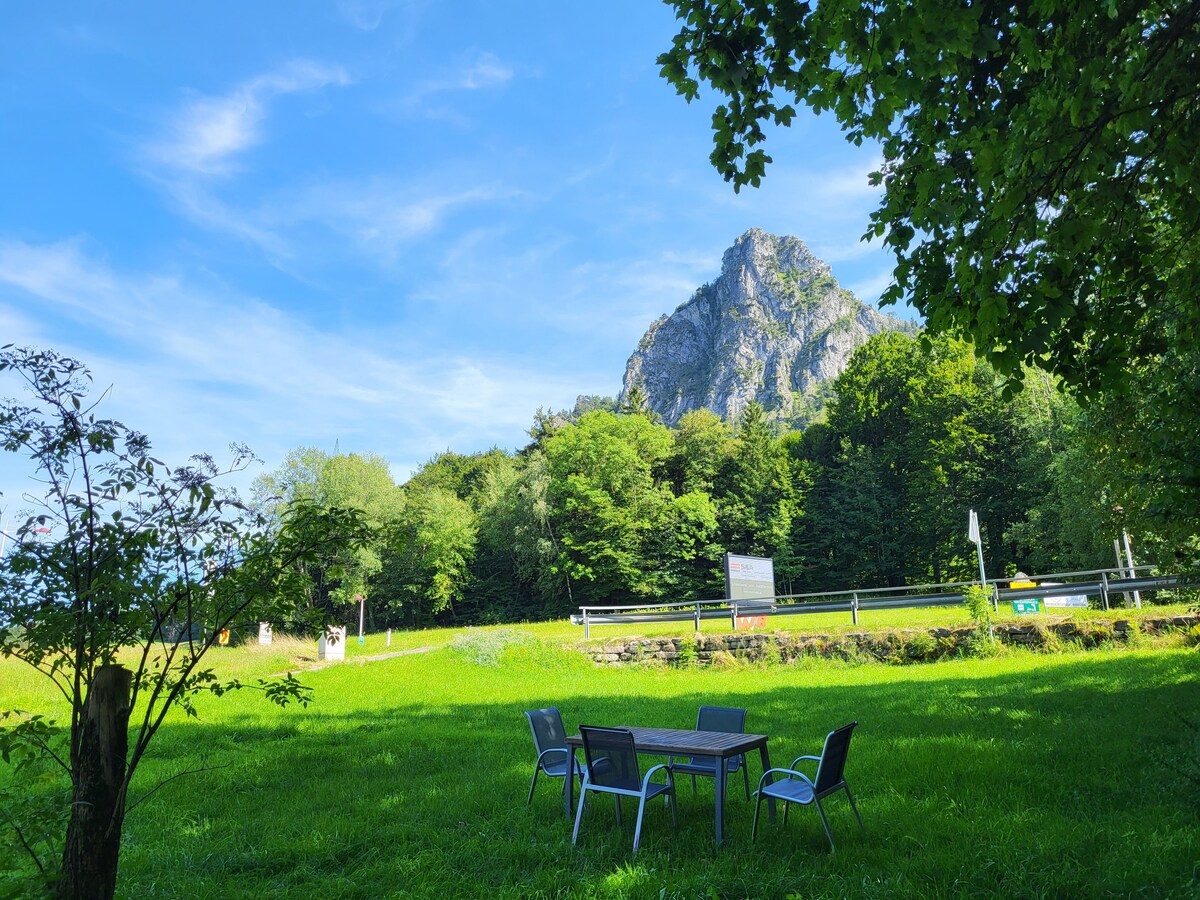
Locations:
359 660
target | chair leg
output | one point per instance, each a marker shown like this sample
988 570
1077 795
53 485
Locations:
617 804
579 814
825 822
637 831
693 785
854 807
746 776
754 828
536 771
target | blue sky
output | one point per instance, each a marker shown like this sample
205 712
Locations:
397 226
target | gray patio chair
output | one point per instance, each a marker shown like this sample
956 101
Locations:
799 788
716 718
550 741
611 767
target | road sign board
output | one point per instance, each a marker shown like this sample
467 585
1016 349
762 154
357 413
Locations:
1025 607
749 578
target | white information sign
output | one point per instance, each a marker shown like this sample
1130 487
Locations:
1078 601
264 632
749 578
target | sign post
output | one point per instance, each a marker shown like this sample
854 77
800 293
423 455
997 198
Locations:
750 579
977 539
362 605
1137 595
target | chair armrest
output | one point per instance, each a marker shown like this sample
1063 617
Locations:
791 773
545 753
796 761
652 770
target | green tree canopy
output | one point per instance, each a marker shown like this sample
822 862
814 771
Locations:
359 482
610 506
1039 158
1039 177
430 548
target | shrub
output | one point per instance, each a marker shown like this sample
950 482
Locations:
726 661
489 648
978 601
949 645
1099 634
1050 641
768 652
689 655
919 645
1134 636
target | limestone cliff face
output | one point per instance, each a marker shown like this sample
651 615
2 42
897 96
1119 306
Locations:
774 327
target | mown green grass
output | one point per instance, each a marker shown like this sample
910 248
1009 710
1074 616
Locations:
1022 775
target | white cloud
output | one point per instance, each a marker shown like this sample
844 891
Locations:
206 136
197 367
207 141
204 208
483 72
380 216
204 141
366 15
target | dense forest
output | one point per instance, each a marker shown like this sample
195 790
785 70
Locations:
607 505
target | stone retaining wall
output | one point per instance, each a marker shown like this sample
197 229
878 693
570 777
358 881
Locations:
898 646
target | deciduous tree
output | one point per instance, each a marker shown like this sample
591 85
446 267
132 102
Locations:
355 481
1039 171
118 585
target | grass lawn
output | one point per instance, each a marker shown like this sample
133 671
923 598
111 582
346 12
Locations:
1020 775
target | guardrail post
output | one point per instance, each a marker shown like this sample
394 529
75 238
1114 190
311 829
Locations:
587 628
854 607
697 616
1104 588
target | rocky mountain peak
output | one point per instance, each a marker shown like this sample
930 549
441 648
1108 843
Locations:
774 327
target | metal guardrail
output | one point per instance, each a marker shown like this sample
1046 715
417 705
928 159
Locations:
1095 582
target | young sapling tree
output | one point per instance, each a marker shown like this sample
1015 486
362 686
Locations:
116 587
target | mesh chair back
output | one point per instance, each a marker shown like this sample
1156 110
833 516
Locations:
611 760
721 718
548 731
833 759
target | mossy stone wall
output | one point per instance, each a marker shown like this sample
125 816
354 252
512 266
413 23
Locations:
897 646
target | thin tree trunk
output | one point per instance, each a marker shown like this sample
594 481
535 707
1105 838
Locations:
94 832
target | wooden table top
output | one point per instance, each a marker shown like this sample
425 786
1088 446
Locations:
686 742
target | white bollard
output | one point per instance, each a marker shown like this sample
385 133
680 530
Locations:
332 644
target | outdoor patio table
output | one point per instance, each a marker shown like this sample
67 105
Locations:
717 745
